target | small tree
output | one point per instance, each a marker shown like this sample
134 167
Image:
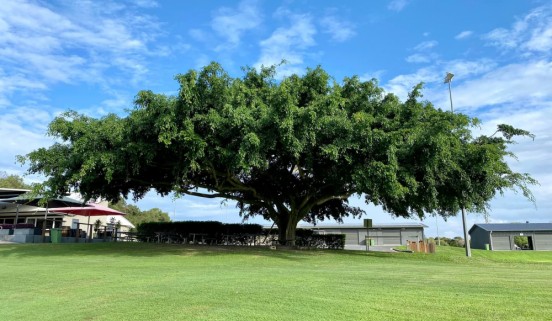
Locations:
97 225
521 241
457 241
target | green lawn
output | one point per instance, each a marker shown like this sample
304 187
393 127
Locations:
131 281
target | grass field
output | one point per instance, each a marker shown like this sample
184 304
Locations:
132 281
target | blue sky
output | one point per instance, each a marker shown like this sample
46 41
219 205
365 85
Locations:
94 56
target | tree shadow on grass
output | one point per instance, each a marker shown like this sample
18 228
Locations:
141 250
123 249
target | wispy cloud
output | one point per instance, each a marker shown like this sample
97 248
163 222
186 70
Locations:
397 5
23 130
418 58
146 3
401 85
339 29
532 33
372 75
426 45
231 23
43 45
433 75
288 43
463 35
520 83
423 52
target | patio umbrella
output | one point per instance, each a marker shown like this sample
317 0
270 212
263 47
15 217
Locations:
88 210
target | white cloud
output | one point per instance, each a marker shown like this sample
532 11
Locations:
520 83
426 45
541 38
42 45
397 5
232 23
338 29
401 85
423 52
25 129
463 35
532 33
418 58
202 61
372 75
433 76
288 43
463 69
146 3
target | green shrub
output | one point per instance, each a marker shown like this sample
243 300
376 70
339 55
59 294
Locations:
183 230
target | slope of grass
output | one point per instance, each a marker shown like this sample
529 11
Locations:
131 281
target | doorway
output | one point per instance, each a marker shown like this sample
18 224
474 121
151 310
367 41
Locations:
524 242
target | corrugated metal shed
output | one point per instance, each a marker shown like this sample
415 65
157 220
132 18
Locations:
379 234
508 227
509 236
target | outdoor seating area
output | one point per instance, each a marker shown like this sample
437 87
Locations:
32 219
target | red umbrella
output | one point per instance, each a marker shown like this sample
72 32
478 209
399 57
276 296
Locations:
87 210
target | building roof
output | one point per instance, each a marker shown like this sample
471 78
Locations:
11 192
511 227
374 226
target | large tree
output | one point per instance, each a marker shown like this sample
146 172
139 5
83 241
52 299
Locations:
288 150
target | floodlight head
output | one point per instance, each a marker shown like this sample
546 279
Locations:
448 77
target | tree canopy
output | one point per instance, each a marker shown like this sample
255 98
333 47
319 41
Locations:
12 181
289 150
137 216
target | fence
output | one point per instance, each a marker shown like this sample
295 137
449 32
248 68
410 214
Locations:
421 246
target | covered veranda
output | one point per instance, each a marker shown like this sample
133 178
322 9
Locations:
25 219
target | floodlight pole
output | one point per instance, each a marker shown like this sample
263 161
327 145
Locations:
466 241
437 225
448 80
450 96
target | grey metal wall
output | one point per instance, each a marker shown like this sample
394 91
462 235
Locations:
542 241
398 236
351 236
411 234
391 237
357 236
479 237
501 241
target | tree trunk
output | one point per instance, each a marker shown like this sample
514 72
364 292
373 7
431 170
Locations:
286 230
290 233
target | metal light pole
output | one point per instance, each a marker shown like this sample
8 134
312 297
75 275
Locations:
437 225
448 80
